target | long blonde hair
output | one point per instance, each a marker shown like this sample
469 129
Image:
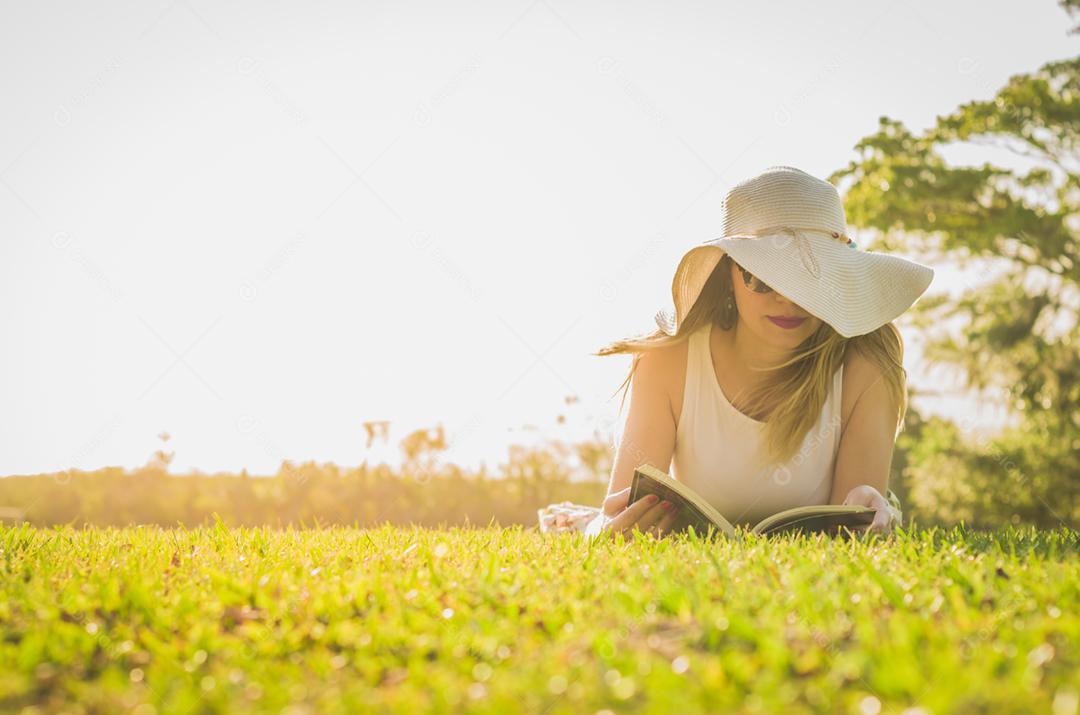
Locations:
793 398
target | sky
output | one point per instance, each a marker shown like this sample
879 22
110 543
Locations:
257 227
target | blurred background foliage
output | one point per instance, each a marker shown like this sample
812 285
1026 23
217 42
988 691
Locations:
1015 334
423 491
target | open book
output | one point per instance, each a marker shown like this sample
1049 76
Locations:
696 512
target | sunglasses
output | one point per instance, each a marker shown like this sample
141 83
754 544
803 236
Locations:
753 282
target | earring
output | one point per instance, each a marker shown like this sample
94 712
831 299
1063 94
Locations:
728 320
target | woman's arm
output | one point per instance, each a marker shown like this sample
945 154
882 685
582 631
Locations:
865 454
648 434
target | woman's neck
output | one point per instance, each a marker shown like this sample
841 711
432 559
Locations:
753 354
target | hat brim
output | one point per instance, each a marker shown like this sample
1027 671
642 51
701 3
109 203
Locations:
854 291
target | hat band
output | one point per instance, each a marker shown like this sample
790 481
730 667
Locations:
806 253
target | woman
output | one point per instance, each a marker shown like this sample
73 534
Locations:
779 382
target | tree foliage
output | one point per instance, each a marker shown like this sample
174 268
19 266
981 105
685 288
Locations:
1017 330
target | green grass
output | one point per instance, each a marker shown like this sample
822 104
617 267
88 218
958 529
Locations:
502 620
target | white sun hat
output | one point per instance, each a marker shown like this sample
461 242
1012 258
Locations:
788 228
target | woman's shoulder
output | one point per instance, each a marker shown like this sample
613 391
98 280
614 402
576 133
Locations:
859 373
674 358
859 370
655 370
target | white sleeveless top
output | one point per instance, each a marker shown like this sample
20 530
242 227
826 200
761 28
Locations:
720 452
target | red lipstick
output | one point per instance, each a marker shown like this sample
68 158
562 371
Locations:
786 323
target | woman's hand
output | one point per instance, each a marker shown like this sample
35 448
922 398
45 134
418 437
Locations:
886 518
650 515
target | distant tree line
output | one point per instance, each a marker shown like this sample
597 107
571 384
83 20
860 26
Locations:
297 495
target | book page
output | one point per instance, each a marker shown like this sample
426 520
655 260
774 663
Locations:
821 517
695 511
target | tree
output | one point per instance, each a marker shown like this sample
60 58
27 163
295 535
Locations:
1073 8
1019 332
420 449
160 459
